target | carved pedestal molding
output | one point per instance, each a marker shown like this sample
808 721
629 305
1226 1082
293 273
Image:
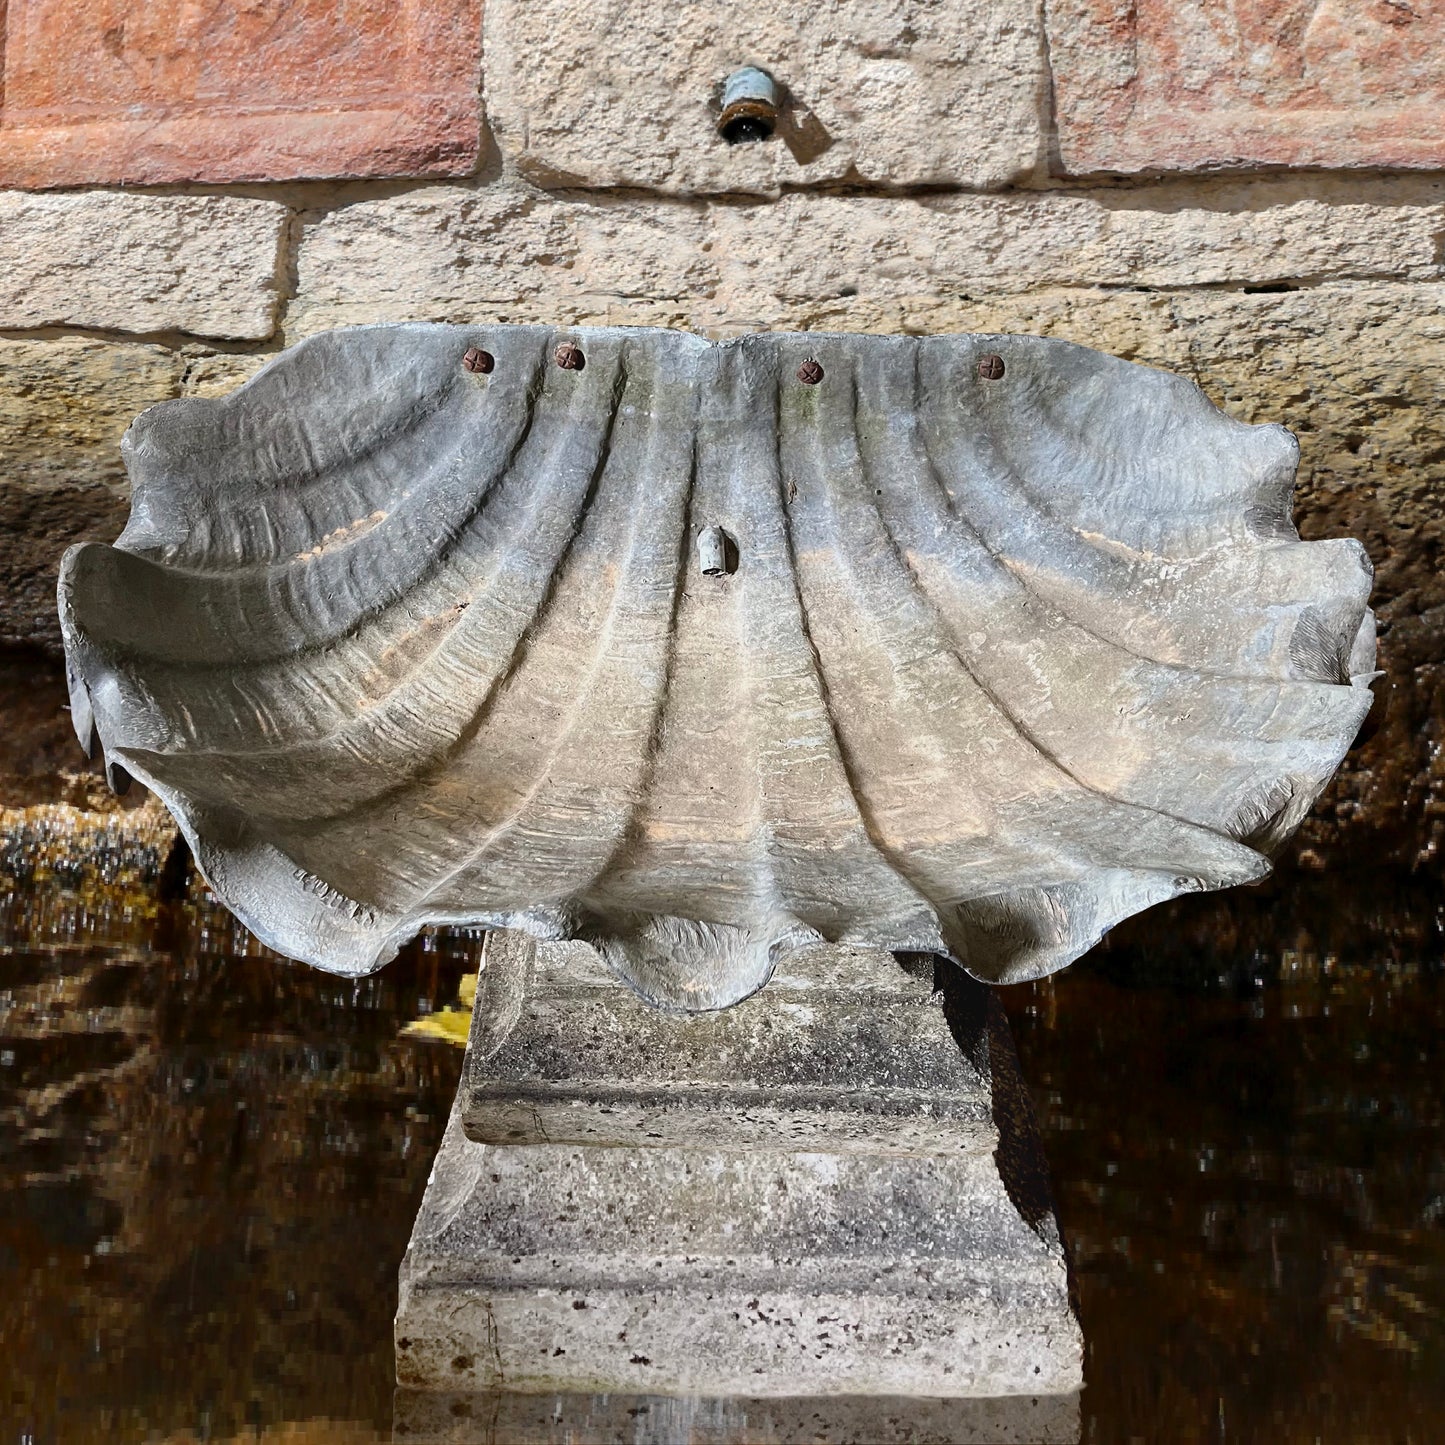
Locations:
832 1188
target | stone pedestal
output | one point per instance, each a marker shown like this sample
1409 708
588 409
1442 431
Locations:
436 1417
833 1188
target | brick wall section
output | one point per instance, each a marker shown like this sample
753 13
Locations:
1252 193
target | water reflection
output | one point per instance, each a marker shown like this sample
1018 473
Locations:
210 1160
1253 1183
209 1163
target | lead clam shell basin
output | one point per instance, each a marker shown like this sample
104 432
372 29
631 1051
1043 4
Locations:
996 661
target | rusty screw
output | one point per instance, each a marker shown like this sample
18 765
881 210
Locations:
990 367
569 357
477 360
810 373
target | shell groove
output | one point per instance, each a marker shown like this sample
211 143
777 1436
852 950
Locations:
993 662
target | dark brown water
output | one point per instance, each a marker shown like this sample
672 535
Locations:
210 1159
1252 1182
209 1163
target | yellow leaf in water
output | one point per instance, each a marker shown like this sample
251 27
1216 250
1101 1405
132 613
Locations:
453 1023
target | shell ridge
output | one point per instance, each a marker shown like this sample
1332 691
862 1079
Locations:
364 815
627 840
968 659
309 381
762 875
1000 494
1164 679
807 444
509 703
433 559
1199 582
842 490
962 524
1241 451
634 570
983 493
951 648
353 732
1089 413
525 639
689 962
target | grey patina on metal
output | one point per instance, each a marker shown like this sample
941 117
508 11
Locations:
1006 652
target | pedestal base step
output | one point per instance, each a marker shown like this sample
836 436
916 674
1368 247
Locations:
917 1257
433 1417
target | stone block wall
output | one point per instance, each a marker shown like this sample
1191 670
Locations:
1251 192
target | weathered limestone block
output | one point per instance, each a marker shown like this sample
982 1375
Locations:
215 373
805 248
171 91
37 527
65 402
769 1201
1160 86
430 1417
203 264
504 252
846 1053
63 407
621 93
454 253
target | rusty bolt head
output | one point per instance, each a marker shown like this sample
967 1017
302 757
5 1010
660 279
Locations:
990 367
569 357
810 373
478 360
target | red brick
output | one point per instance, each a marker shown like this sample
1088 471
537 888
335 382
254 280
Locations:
1160 85
104 91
